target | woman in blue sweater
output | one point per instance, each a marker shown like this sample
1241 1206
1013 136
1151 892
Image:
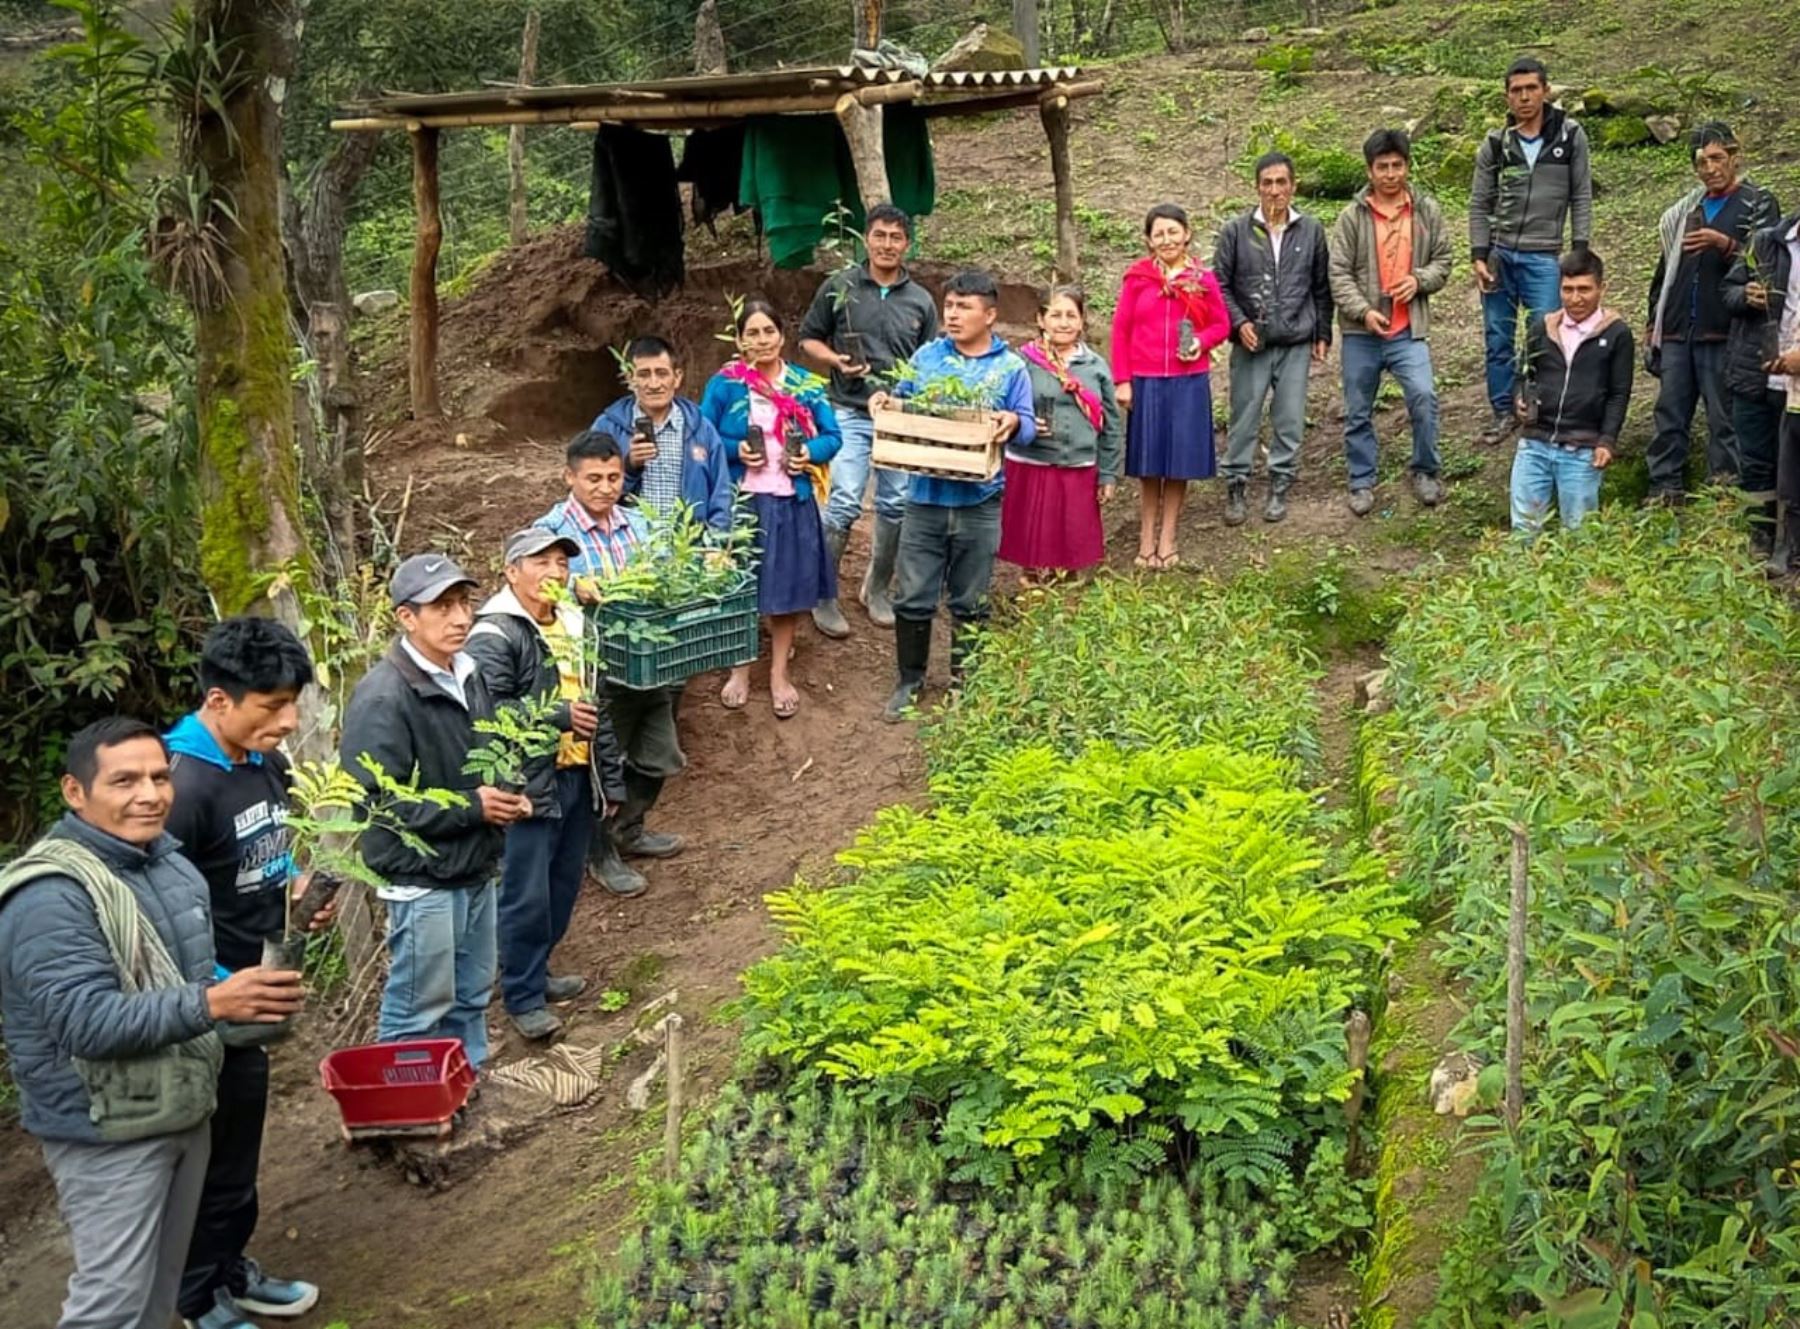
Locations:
779 432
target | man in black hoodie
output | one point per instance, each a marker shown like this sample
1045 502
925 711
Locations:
1762 295
414 715
1571 400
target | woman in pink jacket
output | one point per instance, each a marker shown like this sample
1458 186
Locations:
1169 318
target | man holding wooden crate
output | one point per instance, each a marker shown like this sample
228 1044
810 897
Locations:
865 320
951 529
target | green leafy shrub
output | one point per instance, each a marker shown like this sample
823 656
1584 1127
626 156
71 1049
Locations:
1320 170
814 1211
1075 954
1625 692
1284 65
1137 665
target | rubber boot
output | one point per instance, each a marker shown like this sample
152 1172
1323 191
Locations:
962 644
1276 508
1762 530
613 873
912 653
1235 510
877 584
629 835
826 615
1781 558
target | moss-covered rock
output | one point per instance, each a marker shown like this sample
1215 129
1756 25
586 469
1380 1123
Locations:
1624 131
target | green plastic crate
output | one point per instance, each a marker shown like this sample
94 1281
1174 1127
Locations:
688 639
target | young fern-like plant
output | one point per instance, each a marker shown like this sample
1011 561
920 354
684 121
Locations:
519 733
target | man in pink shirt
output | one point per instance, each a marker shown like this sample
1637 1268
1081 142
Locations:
1571 397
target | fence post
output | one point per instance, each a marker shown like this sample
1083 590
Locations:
672 1124
515 139
1515 980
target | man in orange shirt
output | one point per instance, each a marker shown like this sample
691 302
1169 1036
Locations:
1390 252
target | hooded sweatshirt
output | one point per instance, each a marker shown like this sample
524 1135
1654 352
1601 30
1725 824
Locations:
231 819
1581 403
998 370
1518 204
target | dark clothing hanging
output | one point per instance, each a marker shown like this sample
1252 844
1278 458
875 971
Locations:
634 210
711 163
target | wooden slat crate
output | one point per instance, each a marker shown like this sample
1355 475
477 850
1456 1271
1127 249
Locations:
959 449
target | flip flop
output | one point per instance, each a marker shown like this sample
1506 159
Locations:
785 710
1144 561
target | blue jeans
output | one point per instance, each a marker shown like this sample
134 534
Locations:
1529 279
1409 361
540 876
1543 473
850 476
440 968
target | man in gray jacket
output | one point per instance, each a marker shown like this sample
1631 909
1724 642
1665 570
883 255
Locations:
1274 269
108 996
1531 178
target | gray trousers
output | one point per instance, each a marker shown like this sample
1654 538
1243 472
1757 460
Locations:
130 1211
1254 375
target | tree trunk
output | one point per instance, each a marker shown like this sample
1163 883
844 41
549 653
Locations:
428 239
249 472
517 216
1026 29
868 23
709 40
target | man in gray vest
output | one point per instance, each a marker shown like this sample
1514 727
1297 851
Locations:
108 998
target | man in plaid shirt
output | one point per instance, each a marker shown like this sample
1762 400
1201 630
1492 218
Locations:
683 461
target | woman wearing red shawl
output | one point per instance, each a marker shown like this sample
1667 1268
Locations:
799 434
1050 508
1169 318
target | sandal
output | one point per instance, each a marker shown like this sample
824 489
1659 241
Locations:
785 709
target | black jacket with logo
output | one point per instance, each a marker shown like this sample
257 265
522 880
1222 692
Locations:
415 730
1581 405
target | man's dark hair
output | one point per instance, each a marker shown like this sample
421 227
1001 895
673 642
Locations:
1167 212
1713 133
592 445
1527 64
1386 143
1583 263
1269 161
975 282
887 212
247 654
83 758
643 348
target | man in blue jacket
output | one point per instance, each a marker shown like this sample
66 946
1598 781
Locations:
951 530
111 1038
672 454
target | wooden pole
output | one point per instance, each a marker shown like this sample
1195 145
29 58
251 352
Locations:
664 114
428 239
1025 28
515 140
1515 979
868 24
672 1123
862 130
1054 111
1356 1043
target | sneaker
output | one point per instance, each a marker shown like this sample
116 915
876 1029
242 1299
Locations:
1362 502
1498 430
566 987
537 1025
223 1315
1429 488
1235 510
641 843
277 1298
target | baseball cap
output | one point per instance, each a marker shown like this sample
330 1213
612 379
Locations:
535 540
424 577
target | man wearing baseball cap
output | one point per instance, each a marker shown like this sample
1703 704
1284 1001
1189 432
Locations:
414 715
528 644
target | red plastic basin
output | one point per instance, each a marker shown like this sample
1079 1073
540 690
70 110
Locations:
386 1085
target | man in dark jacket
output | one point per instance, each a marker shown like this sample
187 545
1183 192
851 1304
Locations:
864 320
230 815
672 453
1571 400
1275 271
413 714
531 649
1532 176
84 1043
1762 295
1688 324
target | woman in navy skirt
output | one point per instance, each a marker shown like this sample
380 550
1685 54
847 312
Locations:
1169 318
779 432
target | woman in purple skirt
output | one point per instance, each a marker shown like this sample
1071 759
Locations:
1169 318
779 431
1050 508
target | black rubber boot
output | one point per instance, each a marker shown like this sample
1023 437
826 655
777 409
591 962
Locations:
1762 530
613 873
877 583
1781 557
1276 508
912 654
629 835
1236 510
